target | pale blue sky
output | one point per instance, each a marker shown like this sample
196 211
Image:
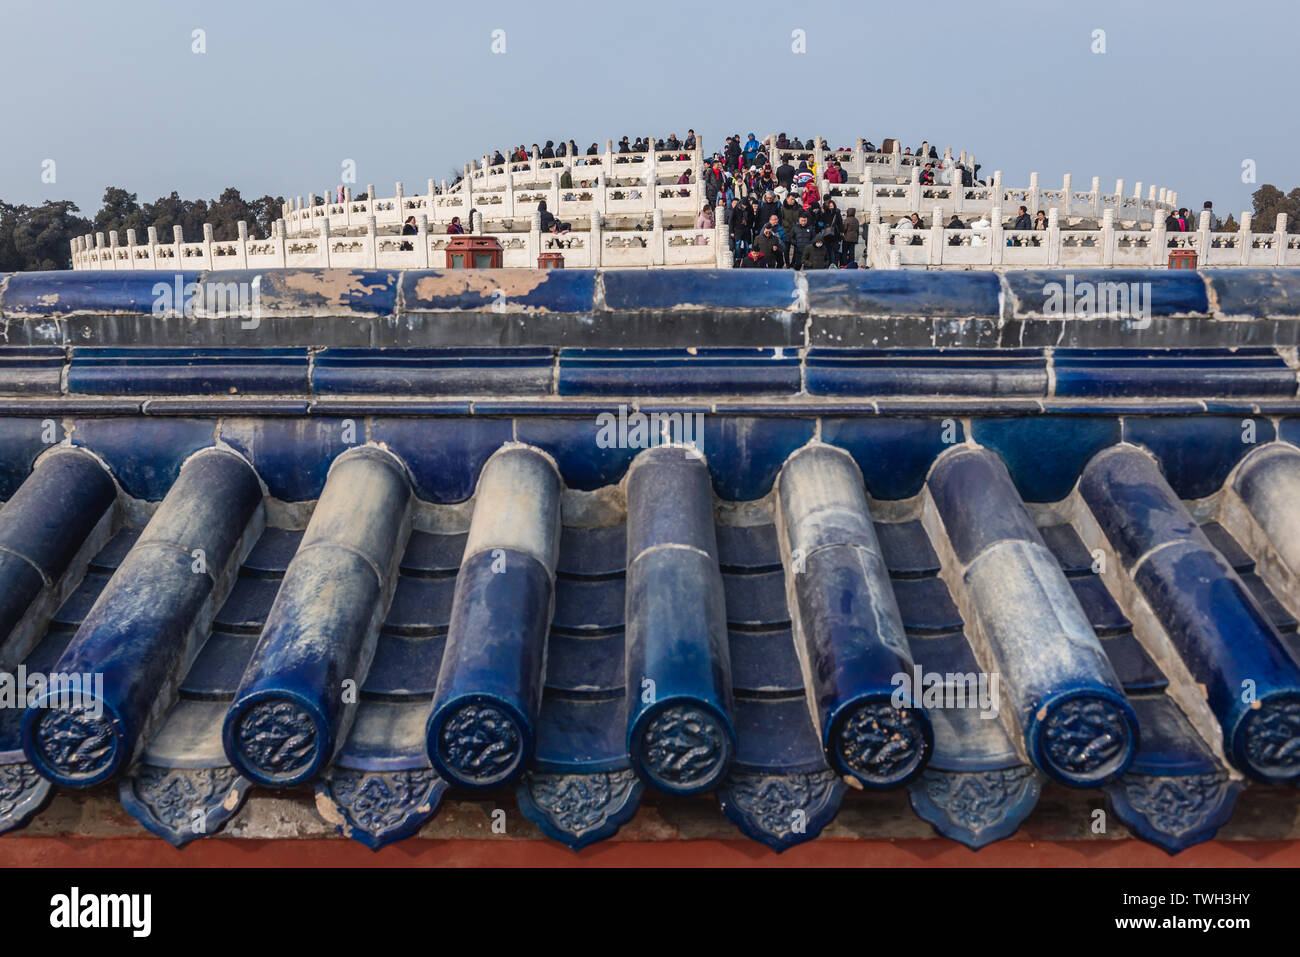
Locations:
1186 91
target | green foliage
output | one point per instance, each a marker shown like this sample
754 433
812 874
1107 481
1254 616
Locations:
1268 201
40 237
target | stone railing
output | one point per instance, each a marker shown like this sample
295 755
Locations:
935 247
515 200
594 246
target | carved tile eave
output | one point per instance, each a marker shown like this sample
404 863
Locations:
22 793
165 800
1175 812
379 807
976 808
580 809
782 810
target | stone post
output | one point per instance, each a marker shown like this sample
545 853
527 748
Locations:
422 241
178 239
1033 194
859 157
1281 238
1159 243
152 237
207 245
242 227
372 240
1108 237
936 237
997 243
370 199
657 251
535 237
1096 197
1244 240
324 258
721 244
1202 238
1054 236
596 240
914 191
1067 195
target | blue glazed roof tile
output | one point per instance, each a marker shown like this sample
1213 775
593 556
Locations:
389 602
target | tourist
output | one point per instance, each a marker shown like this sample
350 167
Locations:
751 150
690 140
1040 220
811 195
831 220
927 175
801 237
409 228
785 174
818 255
455 227
849 238
1023 221
547 216
566 178
1185 221
1208 207
768 250
548 151
955 223
705 219
593 150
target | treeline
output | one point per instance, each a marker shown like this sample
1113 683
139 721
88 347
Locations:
39 237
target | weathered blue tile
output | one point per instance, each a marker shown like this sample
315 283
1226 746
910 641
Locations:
21 440
1085 293
874 292
519 291
293 456
598 552
432 555
776 735
1228 547
765 663
756 600
31 370
273 552
404 666
145 454
1255 293
894 453
138 292
420 607
587 607
1068 549
289 717
444 455
907 549
273 293
1196 453
104 370
495 371
585 666
1045 454
581 734
744 454
926 606
1099 606
972 372
1136 671
216 671
1196 373
591 452
629 290
664 372
748 548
